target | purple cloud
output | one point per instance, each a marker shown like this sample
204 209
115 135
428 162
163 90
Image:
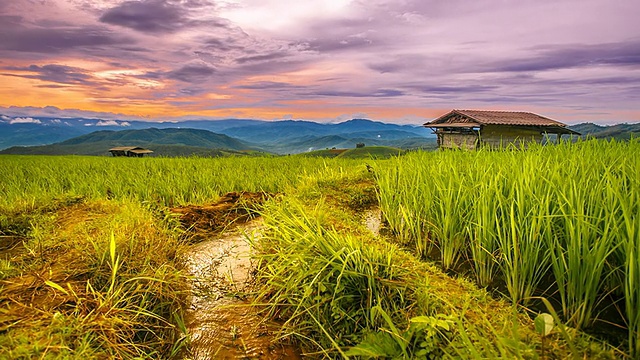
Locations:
158 16
267 85
561 57
153 16
192 72
362 94
53 73
57 40
263 57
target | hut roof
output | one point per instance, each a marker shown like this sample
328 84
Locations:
476 118
141 151
133 149
130 149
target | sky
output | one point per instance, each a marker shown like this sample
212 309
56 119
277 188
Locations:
403 61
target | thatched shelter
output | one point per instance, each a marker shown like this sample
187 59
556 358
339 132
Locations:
130 151
470 129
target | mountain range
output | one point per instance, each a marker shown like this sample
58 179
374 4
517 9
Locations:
42 135
618 131
95 137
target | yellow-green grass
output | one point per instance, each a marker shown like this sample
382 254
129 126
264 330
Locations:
367 152
29 180
98 279
376 152
344 293
326 153
569 213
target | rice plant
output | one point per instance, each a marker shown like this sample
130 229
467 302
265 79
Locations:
567 213
483 229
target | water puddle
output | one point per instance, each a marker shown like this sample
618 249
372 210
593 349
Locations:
373 221
220 320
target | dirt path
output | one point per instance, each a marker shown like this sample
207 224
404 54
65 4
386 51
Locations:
220 320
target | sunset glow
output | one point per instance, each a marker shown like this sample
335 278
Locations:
396 61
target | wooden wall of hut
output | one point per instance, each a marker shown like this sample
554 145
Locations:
496 136
451 140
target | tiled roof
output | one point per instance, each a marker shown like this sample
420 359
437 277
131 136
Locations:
483 117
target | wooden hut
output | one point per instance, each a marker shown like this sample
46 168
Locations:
470 129
130 151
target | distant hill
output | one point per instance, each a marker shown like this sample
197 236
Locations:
618 132
164 142
292 131
188 137
34 134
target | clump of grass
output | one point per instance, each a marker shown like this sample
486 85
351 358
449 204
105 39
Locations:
330 288
96 279
343 293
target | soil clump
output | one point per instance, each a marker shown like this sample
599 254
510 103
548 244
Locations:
229 210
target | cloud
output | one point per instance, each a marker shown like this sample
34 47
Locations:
196 71
267 85
154 16
263 57
16 34
54 73
553 57
157 16
363 94
24 120
54 111
467 88
112 123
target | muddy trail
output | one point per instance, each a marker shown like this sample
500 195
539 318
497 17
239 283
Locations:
220 320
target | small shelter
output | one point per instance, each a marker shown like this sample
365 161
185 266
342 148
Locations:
471 129
129 151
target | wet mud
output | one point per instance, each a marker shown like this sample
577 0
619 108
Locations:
220 320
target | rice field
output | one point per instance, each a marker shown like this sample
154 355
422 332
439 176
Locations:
557 221
162 181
